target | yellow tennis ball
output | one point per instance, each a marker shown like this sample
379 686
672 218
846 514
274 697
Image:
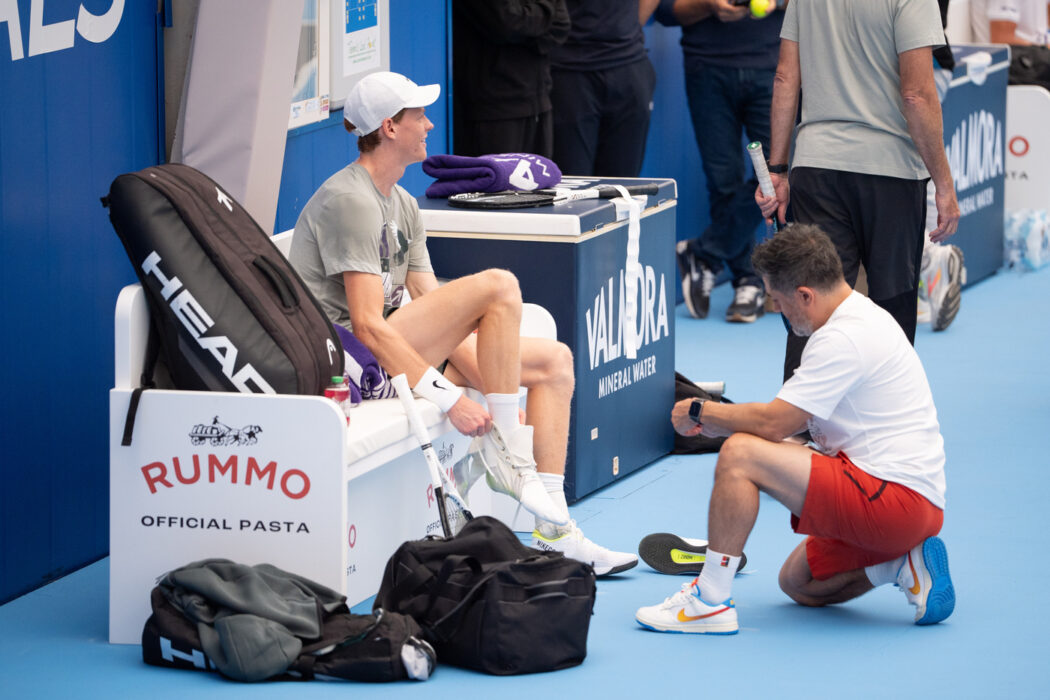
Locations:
761 8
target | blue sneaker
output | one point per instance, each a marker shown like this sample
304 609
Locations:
925 580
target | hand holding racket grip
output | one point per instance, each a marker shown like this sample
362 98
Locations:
758 159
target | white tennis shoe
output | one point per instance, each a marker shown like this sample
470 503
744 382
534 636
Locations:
574 545
511 469
684 612
926 582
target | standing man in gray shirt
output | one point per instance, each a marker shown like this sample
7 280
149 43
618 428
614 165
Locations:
869 138
360 246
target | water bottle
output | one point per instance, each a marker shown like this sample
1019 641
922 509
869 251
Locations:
339 391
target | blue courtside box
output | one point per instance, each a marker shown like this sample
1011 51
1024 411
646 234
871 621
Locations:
975 138
570 258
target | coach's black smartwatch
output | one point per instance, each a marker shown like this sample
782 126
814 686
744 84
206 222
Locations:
696 408
779 169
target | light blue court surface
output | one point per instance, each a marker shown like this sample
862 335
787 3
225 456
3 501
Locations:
990 373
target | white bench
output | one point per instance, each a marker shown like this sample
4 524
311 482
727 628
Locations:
262 478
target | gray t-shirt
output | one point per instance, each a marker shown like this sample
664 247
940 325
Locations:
349 226
851 102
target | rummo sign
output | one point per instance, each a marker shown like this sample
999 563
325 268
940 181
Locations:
46 33
255 479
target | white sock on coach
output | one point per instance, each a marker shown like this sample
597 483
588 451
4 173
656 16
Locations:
886 572
554 484
504 411
716 578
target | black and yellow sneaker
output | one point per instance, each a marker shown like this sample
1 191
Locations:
671 554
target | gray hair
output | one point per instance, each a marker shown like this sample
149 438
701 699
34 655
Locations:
800 255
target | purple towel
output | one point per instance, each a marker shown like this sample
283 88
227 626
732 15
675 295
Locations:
367 379
491 173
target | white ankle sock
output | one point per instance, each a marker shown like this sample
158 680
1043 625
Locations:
886 572
504 411
716 578
554 484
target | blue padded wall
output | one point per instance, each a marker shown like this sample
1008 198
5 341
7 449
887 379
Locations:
72 120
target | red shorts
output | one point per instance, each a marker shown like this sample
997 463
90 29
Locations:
856 520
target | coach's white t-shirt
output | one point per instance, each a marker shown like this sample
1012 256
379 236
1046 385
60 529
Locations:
866 389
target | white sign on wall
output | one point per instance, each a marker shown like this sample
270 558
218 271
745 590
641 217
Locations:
1027 148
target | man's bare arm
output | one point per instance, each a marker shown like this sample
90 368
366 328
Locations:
772 421
786 86
922 111
692 11
1001 32
364 296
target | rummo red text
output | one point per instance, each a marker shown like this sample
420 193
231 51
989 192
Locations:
293 483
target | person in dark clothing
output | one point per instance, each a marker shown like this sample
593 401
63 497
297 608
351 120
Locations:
730 60
603 89
502 74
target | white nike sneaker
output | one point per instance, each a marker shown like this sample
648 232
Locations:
943 274
926 582
685 612
512 470
575 546
467 471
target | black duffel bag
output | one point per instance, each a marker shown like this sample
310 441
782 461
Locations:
487 602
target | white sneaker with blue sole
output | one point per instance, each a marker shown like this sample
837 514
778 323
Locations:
684 612
926 582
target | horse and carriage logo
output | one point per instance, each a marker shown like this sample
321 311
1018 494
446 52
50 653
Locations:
219 434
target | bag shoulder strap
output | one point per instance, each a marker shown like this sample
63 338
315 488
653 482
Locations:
145 381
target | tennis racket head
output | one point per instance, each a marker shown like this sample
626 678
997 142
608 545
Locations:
509 199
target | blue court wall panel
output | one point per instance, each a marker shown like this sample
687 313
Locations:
73 118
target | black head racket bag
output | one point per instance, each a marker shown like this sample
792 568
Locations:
229 311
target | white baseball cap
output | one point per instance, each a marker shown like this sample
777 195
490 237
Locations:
378 96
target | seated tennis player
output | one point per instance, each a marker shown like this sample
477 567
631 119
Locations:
871 498
360 246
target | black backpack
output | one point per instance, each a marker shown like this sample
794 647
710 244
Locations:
487 602
351 647
228 310
698 444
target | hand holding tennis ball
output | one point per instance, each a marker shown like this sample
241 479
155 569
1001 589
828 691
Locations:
761 8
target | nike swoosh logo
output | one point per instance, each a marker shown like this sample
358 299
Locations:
682 617
438 386
915 587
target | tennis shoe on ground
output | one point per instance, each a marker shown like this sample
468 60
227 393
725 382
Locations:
685 612
574 545
926 583
512 470
749 302
697 281
942 275
671 554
